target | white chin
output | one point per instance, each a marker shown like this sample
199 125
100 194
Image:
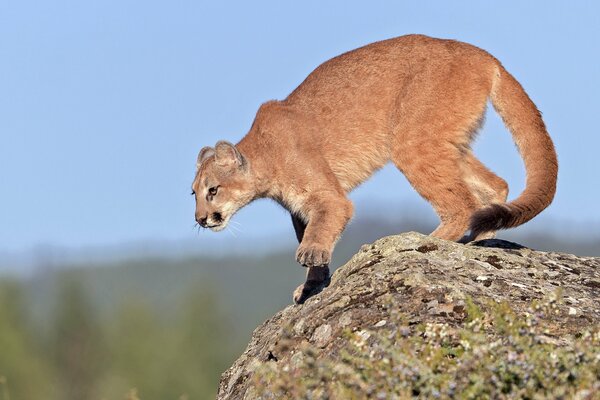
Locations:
218 228
222 226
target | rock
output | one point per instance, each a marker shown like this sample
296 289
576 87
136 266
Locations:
428 280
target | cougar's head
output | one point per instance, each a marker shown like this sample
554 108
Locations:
222 185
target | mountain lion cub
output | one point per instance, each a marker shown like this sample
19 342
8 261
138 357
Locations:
415 101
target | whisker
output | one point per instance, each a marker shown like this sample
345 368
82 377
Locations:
231 231
236 228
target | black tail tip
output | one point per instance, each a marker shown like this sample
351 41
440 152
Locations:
491 218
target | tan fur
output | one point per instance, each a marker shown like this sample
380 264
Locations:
415 101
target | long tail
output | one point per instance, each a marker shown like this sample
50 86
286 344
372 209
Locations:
524 121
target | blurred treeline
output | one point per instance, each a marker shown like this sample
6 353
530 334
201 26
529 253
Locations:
167 328
78 353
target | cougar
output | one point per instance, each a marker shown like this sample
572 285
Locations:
413 100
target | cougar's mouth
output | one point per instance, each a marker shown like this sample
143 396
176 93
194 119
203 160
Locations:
219 225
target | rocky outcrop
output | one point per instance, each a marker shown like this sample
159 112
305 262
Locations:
428 280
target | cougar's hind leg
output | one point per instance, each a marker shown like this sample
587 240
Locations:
317 278
433 168
488 187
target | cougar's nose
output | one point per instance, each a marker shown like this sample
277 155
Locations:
201 220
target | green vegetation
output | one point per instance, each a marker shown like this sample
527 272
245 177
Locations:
142 328
135 351
21 359
494 354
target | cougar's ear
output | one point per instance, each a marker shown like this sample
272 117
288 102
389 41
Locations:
228 156
203 155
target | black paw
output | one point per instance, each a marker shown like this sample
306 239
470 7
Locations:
309 289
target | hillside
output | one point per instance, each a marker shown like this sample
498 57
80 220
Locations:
411 315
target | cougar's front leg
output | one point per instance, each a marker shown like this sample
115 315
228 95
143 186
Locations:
317 278
327 216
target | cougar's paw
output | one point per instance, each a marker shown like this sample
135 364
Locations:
313 255
309 289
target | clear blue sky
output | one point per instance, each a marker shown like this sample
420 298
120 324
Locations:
104 105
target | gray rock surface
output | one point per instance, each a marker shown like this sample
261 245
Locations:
427 279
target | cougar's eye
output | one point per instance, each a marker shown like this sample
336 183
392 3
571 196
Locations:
213 190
